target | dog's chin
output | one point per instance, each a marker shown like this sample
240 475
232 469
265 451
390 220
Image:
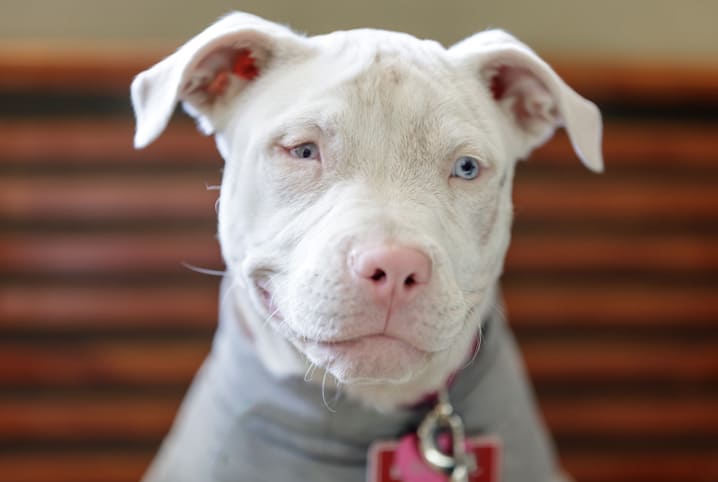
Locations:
372 359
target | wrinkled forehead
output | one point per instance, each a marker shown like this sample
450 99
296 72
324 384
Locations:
405 91
374 91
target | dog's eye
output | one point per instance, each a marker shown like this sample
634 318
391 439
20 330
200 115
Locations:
466 168
305 151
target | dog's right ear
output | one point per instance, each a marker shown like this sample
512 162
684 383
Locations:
208 71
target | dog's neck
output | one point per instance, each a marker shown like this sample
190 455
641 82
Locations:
282 360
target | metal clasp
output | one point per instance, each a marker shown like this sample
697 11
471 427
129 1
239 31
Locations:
458 464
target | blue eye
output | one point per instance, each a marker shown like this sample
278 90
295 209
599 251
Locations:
466 168
305 151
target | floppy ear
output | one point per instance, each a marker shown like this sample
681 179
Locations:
208 71
531 94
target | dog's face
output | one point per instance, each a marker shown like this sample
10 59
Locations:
366 200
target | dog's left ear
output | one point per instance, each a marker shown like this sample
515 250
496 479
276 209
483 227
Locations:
535 99
210 70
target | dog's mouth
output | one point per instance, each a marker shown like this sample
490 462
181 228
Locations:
346 345
356 358
363 353
338 344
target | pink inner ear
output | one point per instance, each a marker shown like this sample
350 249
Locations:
219 84
244 65
223 64
531 103
498 86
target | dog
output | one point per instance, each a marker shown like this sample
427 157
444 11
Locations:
363 217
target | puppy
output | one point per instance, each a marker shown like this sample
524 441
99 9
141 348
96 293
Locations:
364 215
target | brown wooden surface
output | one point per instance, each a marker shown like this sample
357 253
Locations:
610 283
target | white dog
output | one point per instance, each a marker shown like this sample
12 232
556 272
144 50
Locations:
364 215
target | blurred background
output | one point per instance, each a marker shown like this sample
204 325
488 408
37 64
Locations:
610 282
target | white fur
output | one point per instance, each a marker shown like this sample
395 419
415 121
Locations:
390 115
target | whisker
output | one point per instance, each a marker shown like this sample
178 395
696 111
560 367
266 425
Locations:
338 392
476 352
271 315
310 372
324 394
199 269
498 310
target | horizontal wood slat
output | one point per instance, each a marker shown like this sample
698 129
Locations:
108 254
86 364
106 69
173 363
575 361
551 252
87 466
109 142
648 145
641 418
642 466
644 81
107 198
627 305
164 253
63 307
101 418
619 200
101 143
90 419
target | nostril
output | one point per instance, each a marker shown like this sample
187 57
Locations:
378 275
391 271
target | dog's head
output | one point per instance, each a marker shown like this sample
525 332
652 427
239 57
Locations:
365 206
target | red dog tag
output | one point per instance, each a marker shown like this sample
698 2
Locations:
401 461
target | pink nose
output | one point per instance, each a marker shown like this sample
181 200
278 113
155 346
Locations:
394 274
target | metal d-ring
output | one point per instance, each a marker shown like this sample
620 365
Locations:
443 417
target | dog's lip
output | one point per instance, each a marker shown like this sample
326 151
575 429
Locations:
348 343
354 339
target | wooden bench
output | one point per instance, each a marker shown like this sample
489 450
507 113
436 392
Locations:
610 282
